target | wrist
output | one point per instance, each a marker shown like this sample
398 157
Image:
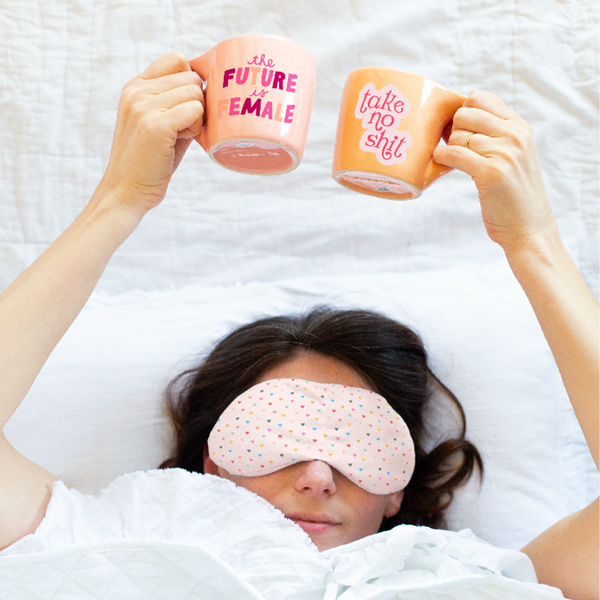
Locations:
127 206
136 200
541 258
108 218
541 246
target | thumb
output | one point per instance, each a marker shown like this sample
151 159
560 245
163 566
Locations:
181 147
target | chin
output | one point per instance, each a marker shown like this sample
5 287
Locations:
324 542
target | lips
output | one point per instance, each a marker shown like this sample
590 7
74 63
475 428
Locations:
314 523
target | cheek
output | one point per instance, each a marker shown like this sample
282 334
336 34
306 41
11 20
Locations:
369 514
265 486
370 509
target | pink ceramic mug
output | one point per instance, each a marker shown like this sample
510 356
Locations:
259 92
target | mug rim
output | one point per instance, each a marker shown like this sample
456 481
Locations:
262 35
398 72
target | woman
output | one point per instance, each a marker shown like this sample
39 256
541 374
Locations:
160 113
354 347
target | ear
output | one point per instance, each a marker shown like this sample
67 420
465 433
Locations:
210 468
394 504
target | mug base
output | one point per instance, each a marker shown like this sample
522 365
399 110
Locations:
376 184
254 156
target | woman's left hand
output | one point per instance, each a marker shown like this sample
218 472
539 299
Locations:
495 146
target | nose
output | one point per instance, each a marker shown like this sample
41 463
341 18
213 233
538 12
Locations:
315 477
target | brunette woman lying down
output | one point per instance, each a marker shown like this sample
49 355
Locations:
351 461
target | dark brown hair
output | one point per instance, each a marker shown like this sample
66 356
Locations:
386 354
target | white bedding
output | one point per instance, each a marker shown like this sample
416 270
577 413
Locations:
98 410
173 534
226 248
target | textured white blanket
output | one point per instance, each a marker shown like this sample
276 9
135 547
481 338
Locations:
173 534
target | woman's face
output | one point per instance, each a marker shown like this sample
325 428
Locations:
330 508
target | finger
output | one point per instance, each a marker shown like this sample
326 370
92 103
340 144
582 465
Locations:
189 133
179 95
485 113
139 100
186 119
166 65
459 157
479 121
468 139
180 148
489 103
169 82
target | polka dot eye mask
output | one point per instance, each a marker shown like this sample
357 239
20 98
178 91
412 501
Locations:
280 422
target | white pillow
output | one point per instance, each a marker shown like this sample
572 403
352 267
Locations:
97 409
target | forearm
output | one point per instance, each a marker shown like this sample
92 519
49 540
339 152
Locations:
569 317
502 160
495 147
38 308
160 112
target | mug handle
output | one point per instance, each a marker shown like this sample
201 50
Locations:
201 66
435 170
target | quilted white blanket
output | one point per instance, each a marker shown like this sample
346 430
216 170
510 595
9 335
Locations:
63 64
173 534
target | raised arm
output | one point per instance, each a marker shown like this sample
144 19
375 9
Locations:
159 113
496 148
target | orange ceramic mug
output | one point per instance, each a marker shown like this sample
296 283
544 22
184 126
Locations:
258 92
390 123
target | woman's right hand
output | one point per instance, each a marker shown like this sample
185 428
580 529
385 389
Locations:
160 112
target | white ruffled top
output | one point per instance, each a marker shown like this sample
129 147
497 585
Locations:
200 536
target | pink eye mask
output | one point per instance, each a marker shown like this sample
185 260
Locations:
280 422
